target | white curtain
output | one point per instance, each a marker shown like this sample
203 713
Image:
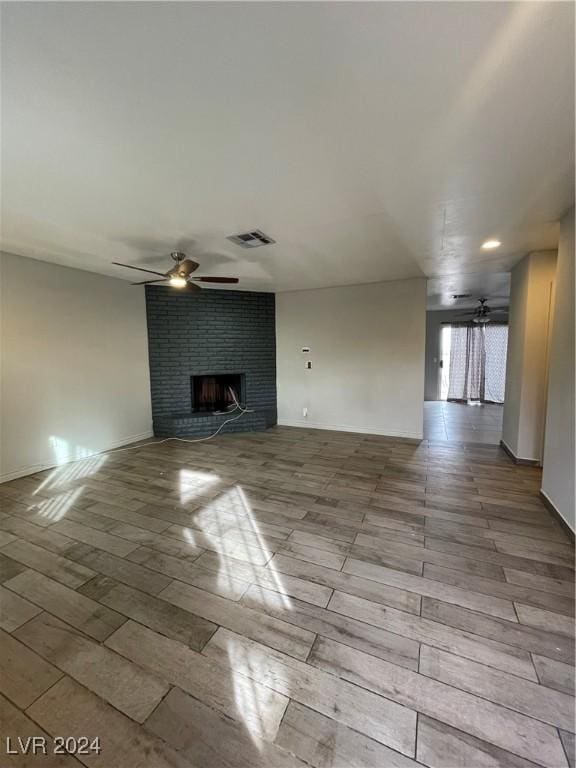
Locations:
496 347
478 363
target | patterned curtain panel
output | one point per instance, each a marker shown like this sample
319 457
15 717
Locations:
478 363
496 342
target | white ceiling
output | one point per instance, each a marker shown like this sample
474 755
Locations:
373 141
495 286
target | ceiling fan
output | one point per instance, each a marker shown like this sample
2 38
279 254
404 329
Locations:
484 313
180 274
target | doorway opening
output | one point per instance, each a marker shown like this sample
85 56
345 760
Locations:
471 384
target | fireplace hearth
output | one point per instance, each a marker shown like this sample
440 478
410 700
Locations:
212 393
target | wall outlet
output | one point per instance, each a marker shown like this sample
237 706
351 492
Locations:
305 412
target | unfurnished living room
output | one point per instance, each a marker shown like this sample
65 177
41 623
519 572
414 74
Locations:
287 385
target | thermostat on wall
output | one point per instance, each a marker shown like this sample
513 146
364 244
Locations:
305 349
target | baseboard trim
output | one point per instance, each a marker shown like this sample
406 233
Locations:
518 459
32 469
414 436
551 507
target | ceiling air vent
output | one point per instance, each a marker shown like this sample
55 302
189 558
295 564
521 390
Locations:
461 295
253 239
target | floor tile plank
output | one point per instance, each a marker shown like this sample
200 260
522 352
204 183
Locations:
15 610
191 572
266 629
422 554
16 725
207 737
440 746
24 675
508 730
345 582
33 533
161 616
523 696
422 629
545 620
381 719
66 604
553 646
69 708
555 674
325 743
555 586
258 707
57 567
9 568
493 606
120 569
126 686
385 645
505 590
112 544
267 577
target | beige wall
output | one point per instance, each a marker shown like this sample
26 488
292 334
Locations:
367 352
74 374
559 456
528 350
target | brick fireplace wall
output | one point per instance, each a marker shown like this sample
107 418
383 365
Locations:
210 332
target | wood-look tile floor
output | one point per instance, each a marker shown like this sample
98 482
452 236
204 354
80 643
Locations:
463 423
288 598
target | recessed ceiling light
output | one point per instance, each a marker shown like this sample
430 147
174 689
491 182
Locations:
489 244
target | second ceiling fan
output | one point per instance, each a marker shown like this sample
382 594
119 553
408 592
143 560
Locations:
483 314
180 276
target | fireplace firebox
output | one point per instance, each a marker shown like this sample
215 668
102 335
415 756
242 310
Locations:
211 392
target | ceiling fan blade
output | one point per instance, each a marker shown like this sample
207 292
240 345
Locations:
147 282
216 279
140 269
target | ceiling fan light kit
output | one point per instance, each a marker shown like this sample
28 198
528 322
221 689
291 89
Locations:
180 276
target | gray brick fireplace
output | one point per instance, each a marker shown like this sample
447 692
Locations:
202 344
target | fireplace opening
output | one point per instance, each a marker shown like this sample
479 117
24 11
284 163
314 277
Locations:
211 393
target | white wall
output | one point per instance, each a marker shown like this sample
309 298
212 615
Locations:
74 375
367 351
530 317
559 456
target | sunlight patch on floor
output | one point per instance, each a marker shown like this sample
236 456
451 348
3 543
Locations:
193 483
283 597
56 507
70 472
256 707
